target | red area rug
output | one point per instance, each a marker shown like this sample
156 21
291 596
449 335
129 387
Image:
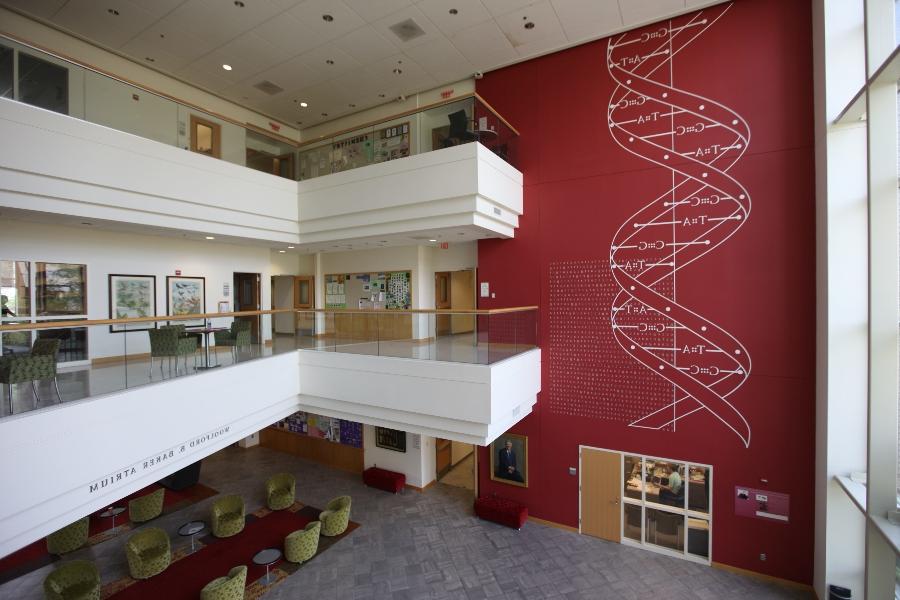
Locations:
35 556
187 575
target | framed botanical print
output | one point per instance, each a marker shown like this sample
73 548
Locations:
509 459
60 289
186 296
132 296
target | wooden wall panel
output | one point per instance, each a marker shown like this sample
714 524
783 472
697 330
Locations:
330 454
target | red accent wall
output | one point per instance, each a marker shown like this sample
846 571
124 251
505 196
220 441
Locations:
754 61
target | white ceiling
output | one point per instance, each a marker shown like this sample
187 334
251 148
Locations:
289 43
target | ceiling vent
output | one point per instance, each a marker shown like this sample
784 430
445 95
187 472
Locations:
407 30
268 87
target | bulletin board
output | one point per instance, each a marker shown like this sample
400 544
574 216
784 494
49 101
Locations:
390 289
392 142
335 430
352 152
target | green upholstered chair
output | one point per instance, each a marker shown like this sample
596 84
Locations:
171 342
69 538
149 552
227 516
146 507
73 580
301 545
336 516
238 337
230 587
38 365
280 491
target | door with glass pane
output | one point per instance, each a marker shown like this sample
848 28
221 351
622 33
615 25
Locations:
600 501
206 137
304 298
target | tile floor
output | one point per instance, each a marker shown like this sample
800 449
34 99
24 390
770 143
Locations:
428 545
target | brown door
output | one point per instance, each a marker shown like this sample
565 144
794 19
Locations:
442 301
444 456
304 298
206 137
246 297
283 165
600 495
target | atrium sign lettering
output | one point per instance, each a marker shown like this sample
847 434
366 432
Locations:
152 462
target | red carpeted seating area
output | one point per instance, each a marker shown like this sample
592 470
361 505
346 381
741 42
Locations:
500 510
389 481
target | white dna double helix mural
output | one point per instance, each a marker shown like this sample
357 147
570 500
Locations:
697 140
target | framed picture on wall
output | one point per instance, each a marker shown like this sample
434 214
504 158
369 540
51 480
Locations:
61 289
390 439
509 459
132 296
186 296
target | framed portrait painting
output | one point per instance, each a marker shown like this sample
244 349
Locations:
509 459
132 296
186 296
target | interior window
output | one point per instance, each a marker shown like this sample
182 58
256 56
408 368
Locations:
43 84
6 72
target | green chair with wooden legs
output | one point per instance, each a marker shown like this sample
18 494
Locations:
38 365
280 491
336 516
69 538
146 507
149 553
230 587
170 342
73 580
301 545
236 338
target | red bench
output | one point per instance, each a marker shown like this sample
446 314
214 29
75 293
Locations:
389 481
500 510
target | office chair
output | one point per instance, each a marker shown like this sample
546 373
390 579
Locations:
459 130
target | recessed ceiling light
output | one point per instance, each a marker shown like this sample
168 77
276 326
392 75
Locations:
282 251
162 35
238 3
324 114
432 240
226 67
381 95
352 105
453 11
303 105
529 25
209 237
327 18
398 71
113 12
290 247
148 59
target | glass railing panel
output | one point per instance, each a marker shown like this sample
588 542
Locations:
447 125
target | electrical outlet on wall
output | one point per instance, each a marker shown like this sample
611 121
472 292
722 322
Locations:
762 556
573 471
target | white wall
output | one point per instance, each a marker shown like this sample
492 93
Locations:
106 252
283 297
57 41
416 463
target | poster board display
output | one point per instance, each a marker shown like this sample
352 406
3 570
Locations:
387 289
331 429
392 142
335 291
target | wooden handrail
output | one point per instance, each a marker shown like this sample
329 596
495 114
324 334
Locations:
252 313
374 123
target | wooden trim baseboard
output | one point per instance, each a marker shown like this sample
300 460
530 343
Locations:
552 524
111 360
768 578
416 488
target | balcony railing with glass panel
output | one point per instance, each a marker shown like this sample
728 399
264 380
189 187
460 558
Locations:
127 353
52 82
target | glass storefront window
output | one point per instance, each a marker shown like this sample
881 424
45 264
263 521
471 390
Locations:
6 72
698 537
15 288
665 529
632 529
698 489
665 483
634 483
43 84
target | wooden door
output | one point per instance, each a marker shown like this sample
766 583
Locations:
442 301
305 298
283 165
601 480
246 297
206 137
444 450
